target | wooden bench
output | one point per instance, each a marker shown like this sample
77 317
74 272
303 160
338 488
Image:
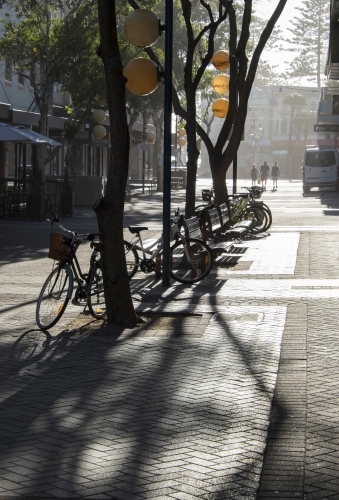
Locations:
193 230
149 184
226 223
214 229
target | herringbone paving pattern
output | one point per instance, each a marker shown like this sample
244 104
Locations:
133 416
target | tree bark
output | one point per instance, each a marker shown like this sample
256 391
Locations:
109 209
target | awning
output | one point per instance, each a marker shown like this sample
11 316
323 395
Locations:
24 135
8 134
35 137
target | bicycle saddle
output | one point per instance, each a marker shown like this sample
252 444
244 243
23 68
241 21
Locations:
137 229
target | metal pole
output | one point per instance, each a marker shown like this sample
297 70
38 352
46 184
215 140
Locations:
143 151
176 142
235 173
89 152
167 142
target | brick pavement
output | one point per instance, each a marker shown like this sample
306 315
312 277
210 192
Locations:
138 415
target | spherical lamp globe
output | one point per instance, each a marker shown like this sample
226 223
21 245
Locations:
181 141
221 60
142 28
99 131
221 83
220 108
142 76
150 136
181 132
99 115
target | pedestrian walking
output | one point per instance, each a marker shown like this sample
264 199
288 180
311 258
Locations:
264 173
254 174
275 174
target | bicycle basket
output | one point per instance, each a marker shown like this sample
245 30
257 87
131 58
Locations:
206 195
58 250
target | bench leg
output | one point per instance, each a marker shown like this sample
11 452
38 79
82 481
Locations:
157 267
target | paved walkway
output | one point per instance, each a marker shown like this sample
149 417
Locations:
230 392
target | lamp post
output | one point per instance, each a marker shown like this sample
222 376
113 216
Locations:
142 28
255 134
143 150
99 131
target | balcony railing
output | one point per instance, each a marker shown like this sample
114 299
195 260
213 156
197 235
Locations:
328 92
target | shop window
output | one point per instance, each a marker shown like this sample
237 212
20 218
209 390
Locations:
8 70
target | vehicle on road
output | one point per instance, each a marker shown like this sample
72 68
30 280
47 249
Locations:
320 167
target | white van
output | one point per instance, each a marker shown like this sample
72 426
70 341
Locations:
320 167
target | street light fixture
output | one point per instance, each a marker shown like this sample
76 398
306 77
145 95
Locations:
99 131
143 41
221 83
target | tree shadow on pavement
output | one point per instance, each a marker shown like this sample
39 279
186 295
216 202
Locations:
90 415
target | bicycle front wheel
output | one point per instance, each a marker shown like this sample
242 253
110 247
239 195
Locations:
54 296
96 297
190 261
260 218
132 259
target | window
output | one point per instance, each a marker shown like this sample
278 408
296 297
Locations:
8 70
21 79
320 159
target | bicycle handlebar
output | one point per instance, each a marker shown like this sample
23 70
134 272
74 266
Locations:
75 235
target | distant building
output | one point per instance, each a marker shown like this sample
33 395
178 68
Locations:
274 131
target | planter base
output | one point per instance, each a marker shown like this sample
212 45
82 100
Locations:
67 204
35 207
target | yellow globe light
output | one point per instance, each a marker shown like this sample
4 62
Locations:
221 60
142 28
142 76
221 83
181 132
99 115
220 108
99 131
150 136
181 141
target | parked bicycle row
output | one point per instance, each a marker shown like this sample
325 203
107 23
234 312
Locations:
243 206
195 244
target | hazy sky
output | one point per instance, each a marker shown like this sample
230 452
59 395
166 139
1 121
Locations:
266 8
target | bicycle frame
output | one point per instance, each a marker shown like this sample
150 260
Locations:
175 232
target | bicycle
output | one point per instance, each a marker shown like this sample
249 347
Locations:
191 260
207 196
58 287
255 192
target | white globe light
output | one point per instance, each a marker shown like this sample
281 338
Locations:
142 28
220 108
221 60
99 131
150 136
99 115
142 76
221 83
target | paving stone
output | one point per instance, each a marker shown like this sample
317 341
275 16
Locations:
177 417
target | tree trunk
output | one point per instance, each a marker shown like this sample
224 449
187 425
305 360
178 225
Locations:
218 172
109 210
192 151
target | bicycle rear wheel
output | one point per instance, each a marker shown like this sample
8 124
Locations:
132 259
261 219
191 261
96 297
54 296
